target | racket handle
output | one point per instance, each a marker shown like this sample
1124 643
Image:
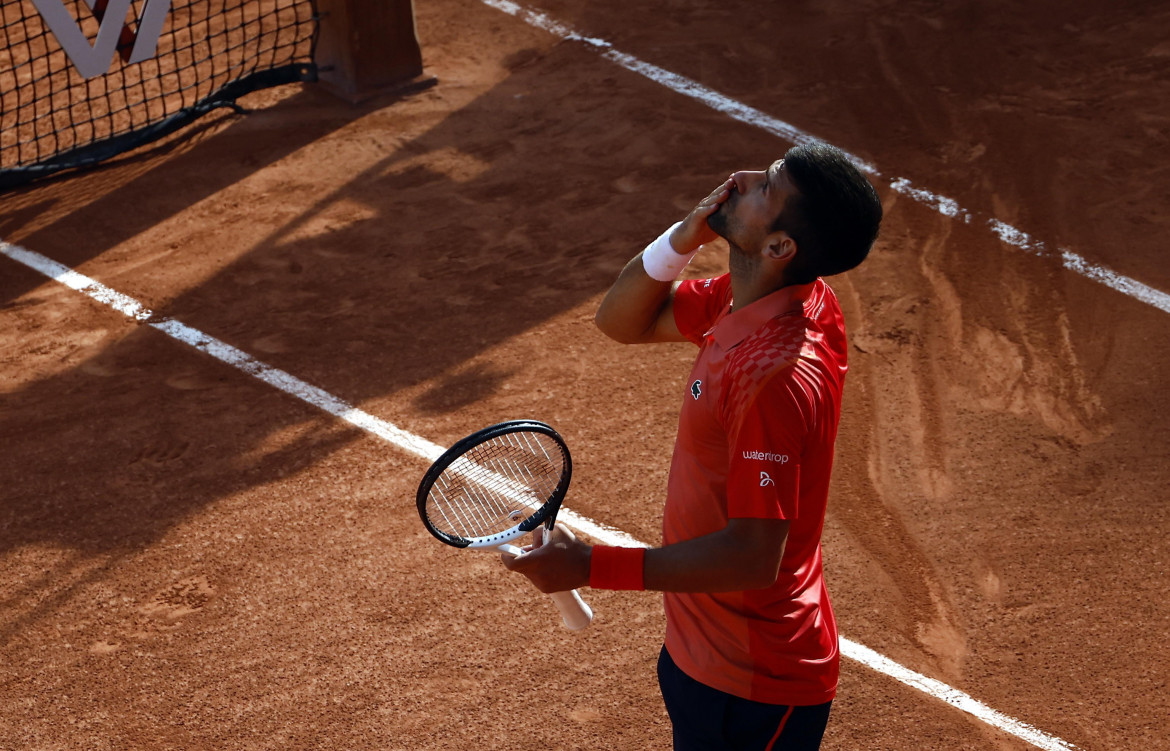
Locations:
575 613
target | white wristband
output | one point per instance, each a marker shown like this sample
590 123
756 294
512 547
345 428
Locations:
660 259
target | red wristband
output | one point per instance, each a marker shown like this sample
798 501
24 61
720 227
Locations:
616 568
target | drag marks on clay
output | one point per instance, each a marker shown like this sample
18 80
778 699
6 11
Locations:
1011 363
899 465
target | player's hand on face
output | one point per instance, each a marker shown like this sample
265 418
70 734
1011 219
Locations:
694 231
556 563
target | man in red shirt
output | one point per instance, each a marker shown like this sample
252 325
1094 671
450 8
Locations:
750 659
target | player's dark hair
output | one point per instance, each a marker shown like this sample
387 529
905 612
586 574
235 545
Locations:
834 217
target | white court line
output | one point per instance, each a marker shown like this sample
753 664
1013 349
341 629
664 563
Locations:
322 399
274 377
751 116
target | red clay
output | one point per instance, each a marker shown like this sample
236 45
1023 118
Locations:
190 559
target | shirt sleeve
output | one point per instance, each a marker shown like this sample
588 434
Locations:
766 440
698 303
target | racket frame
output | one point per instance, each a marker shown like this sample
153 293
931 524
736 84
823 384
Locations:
575 612
546 514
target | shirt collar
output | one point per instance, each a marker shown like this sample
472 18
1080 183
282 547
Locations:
736 326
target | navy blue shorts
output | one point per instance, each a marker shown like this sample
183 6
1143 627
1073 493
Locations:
706 719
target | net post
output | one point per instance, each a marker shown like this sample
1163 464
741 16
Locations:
367 47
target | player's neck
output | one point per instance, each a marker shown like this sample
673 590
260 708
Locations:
753 281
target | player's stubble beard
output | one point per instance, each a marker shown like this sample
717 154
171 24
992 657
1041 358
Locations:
741 263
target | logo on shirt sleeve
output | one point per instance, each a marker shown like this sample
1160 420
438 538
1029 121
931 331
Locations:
697 389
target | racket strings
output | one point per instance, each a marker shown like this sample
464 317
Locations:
480 501
472 507
496 485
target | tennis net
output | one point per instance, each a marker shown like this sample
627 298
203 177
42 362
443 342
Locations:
84 80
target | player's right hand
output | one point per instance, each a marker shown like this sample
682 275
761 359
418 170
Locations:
556 563
693 231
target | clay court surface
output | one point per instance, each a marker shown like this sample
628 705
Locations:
191 559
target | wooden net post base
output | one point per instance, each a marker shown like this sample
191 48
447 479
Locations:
368 47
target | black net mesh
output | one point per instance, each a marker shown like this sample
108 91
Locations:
81 82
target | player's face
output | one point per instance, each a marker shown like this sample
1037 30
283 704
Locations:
756 200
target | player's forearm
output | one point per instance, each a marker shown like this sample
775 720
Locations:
637 307
632 306
744 555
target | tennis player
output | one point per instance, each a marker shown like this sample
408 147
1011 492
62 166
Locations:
751 658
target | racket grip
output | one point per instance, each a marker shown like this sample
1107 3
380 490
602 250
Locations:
575 612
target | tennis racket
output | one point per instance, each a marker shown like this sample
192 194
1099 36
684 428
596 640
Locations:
495 486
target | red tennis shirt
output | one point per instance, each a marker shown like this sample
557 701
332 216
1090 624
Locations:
755 440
